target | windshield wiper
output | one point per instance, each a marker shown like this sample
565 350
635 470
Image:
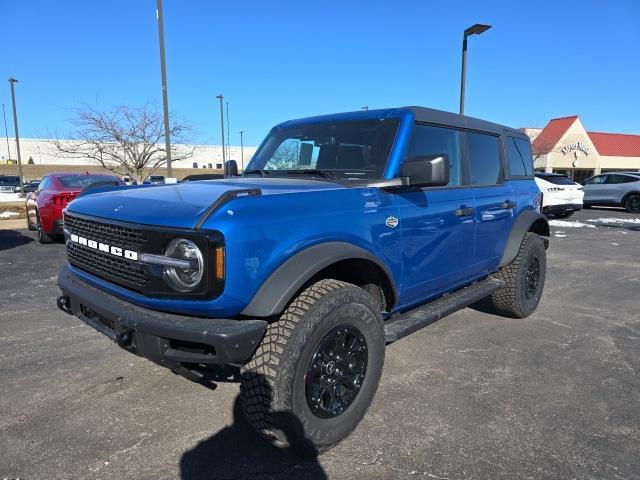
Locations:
312 171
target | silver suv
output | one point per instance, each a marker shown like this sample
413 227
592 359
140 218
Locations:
619 189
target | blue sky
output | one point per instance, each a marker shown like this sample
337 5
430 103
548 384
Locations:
286 59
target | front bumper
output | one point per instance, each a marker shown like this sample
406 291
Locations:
167 339
561 208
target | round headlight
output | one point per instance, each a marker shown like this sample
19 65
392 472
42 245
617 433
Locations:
185 278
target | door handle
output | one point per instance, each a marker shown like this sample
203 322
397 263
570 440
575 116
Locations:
509 204
464 211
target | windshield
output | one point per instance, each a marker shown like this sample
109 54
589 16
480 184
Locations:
352 150
9 180
83 181
557 179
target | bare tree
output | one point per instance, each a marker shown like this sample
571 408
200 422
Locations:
285 157
128 141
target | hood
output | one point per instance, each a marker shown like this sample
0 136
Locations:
181 205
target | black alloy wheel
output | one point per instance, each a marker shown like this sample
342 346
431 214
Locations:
633 204
336 372
532 278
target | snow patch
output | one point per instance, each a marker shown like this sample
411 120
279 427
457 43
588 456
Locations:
614 243
614 220
559 235
563 223
9 214
9 197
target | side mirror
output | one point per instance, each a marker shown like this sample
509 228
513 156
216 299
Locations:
427 170
230 168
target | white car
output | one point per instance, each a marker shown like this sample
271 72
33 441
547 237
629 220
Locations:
561 196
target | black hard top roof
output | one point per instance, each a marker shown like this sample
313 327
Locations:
430 115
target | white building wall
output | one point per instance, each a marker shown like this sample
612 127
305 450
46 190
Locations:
43 152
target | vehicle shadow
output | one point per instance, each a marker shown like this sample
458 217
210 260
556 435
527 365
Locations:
237 451
484 306
13 238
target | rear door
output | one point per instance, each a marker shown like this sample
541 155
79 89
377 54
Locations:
596 189
436 223
495 199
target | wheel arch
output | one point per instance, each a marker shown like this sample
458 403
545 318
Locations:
527 221
626 196
338 260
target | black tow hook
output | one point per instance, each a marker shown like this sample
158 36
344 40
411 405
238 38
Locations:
64 304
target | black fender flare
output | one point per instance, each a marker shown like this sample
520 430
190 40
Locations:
275 293
520 227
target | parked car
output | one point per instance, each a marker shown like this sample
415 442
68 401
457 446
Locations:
202 176
129 181
45 205
345 232
613 189
561 196
8 183
156 179
27 187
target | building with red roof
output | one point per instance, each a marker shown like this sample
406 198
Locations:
565 146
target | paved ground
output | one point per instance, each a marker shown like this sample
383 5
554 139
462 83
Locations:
472 396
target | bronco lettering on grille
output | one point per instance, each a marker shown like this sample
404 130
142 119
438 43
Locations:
103 247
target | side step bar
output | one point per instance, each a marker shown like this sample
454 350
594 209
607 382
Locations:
406 323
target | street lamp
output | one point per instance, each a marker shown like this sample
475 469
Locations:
15 125
221 97
242 149
476 29
165 100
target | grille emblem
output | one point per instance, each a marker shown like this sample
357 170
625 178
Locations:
103 247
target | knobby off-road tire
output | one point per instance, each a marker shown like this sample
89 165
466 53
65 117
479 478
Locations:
276 382
523 278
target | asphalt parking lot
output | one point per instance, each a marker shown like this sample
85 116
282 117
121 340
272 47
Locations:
556 395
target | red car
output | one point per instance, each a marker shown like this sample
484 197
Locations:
56 190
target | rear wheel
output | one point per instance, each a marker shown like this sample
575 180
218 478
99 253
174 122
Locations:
523 278
43 237
317 369
632 204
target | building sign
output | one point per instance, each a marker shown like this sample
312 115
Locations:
576 146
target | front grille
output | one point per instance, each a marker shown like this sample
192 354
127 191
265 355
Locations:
120 270
117 269
108 233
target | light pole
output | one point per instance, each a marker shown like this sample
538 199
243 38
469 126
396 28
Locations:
6 132
228 133
165 100
15 125
242 149
476 29
220 97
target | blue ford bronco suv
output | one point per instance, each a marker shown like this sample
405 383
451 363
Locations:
346 232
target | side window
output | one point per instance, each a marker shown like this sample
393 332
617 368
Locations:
599 180
428 140
620 179
519 155
484 159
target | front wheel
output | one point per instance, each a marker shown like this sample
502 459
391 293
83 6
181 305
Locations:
317 369
523 279
632 204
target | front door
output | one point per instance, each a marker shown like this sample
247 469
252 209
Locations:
437 224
